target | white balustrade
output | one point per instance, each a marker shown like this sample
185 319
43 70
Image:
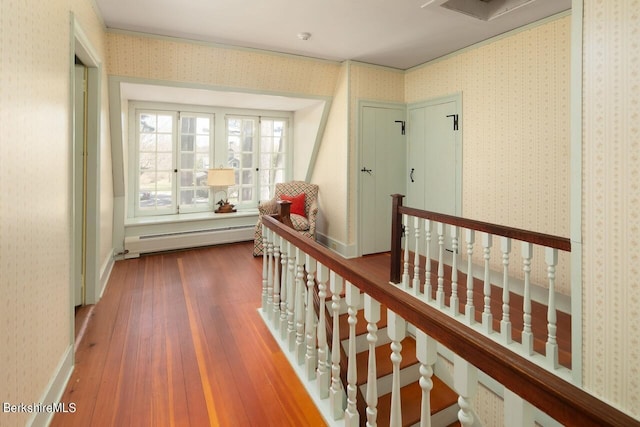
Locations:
301 293
284 288
487 317
454 300
322 373
311 356
405 270
440 290
527 333
397 330
505 323
265 269
372 316
416 257
336 391
465 383
276 283
551 258
469 308
351 415
427 267
426 352
291 296
269 249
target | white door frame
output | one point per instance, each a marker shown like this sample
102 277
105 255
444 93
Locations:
84 50
361 105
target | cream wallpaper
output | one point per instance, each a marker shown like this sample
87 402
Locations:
515 107
159 58
370 83
611 201
35 224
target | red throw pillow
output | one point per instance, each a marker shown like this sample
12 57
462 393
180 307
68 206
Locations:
297 203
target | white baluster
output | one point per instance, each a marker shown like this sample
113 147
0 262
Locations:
551 257
276 283
291 297
505 323
465 383
372 315
527 334
265 269
426 352
416 257
311 357
336 392
469 308
427 254
323 348
487 317
517 411
405 270
454 302
440 290
396 329
268 247
351 415
284 288
300 308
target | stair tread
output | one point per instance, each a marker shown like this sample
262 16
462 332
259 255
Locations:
384 365
442 397
361 325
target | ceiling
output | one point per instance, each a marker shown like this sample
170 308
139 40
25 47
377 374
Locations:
393 33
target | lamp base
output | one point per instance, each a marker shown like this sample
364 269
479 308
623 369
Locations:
225 208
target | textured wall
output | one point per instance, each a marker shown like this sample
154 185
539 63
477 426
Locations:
515 109
207 64
35 180
611 201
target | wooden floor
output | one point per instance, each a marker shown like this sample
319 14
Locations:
177 340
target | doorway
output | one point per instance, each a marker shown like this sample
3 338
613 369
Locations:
435 157
80 181
381 172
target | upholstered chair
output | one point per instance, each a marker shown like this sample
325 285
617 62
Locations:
303 212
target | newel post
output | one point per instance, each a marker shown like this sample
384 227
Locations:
284 212
396 238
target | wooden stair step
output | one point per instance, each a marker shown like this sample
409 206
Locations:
383 359
442 397
361 325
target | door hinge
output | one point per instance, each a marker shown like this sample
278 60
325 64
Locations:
402 126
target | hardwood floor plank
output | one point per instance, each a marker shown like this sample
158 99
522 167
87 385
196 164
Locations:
177 340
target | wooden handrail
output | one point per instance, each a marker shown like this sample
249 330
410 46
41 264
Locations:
563 401
548 240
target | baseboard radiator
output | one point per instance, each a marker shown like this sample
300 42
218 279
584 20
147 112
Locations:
137 245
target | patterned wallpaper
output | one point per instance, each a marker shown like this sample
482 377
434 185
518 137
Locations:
611 201
515 106
207 64
35 193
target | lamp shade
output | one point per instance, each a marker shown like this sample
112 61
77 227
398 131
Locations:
222 177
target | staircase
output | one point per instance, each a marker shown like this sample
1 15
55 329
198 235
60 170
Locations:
444 405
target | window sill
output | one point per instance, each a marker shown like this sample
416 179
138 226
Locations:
189 217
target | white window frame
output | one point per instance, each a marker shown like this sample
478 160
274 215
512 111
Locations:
218 147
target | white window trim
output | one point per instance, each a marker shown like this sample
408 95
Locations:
219 145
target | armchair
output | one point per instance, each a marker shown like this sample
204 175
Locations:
305 224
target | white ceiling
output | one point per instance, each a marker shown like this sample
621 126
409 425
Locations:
393 33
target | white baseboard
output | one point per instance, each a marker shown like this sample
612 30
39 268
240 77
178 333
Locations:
347 251
54 390
136 245
106 269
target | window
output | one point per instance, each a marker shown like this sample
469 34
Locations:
257 150
175 145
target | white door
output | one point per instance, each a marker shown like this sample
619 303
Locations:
381 173
80 183
435 158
